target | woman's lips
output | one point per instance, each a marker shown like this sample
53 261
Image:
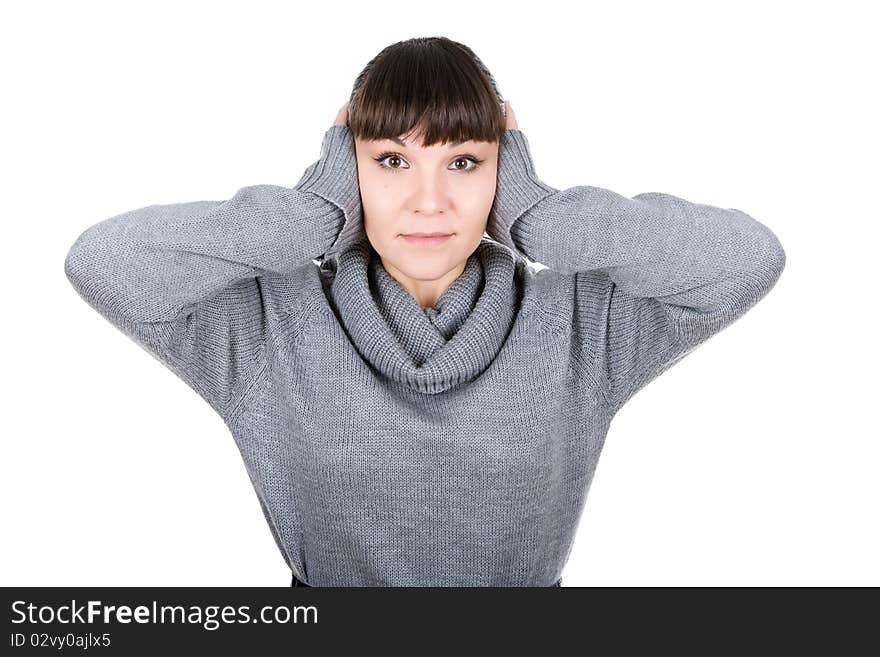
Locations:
426 239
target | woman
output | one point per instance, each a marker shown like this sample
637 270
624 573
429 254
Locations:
423 412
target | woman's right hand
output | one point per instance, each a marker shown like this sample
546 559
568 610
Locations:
342 116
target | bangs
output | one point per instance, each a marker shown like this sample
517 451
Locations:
428 91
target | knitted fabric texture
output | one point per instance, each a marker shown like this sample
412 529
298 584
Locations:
391 445
415 346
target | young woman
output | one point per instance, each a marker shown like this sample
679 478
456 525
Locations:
415 403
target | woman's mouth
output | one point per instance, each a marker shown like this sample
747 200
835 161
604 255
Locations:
426 239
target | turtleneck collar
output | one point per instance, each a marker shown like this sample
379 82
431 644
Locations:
430 349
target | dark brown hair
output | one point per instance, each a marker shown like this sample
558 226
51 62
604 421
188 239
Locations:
428 87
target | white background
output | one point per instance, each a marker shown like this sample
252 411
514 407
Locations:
753 462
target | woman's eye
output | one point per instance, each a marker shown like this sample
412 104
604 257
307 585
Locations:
395 163
390 156
470 159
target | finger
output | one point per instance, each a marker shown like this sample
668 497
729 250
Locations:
511 116
341 115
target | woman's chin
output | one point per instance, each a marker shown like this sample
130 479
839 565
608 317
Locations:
426 267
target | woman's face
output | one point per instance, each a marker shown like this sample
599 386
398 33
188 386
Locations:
407 188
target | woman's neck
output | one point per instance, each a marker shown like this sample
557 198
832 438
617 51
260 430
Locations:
425 293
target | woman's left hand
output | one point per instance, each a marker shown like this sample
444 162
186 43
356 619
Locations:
510 116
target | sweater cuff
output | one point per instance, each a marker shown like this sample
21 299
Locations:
518 188
334 177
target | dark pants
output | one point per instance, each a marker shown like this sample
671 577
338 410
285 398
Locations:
297 582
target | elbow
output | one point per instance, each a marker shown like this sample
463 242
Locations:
766 255
775 261
85 265
771 250
72 263
757 282
76 260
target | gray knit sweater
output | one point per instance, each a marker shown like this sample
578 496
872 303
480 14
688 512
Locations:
392 445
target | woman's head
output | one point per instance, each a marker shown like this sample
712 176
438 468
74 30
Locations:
426 117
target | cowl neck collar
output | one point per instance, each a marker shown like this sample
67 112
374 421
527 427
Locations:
428 349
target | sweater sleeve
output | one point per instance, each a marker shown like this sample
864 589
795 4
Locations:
675 272
184 280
